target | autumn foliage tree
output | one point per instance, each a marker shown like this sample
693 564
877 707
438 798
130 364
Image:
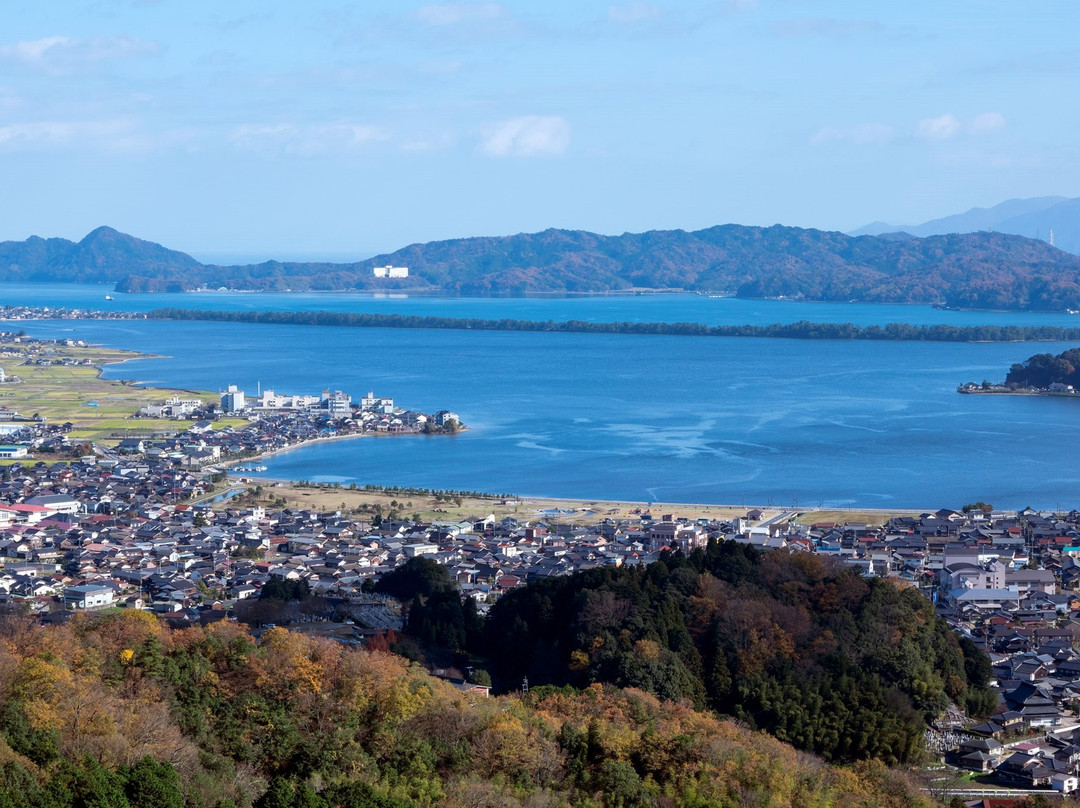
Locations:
115 711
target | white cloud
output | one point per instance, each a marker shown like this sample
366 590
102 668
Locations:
435 68
454 13
949 126
61 53
34 50
941 128
825 27
116 133
527 136
305 140
632 12
986 122
944 127
860 135
434 142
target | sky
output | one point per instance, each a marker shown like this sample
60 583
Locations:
337 129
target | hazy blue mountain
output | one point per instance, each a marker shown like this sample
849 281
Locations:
972 221
1063 218
1032 218
878 228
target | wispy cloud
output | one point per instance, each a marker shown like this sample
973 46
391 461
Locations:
437 68
527 136
826 27
306 140
948 126
859 134
940 128
943 127
64 53
115 133
632 12
987 122
455 13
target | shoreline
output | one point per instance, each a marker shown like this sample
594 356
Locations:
1037 393
577 509
227 464
329 439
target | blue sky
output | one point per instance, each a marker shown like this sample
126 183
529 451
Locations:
339 129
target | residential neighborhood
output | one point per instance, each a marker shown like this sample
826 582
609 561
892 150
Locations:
130 532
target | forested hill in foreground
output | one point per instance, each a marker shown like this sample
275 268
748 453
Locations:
976 270
803 647
115 710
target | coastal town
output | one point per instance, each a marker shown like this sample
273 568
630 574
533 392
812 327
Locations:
130 532
169 523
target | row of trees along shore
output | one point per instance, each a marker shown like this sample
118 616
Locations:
801 330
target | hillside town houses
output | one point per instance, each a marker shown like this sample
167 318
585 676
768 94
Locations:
124 532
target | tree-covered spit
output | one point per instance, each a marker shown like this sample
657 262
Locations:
895 332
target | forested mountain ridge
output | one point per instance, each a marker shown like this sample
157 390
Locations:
105 255
114 709
977 270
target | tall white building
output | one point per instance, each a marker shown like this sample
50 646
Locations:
232 400
374 403
338 404
390 271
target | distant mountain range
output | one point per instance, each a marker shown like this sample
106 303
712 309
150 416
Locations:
1033 218
977 270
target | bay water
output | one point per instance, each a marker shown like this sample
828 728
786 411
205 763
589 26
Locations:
682 419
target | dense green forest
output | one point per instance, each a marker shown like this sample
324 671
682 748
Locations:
1043 370
974 270
800 330
800 646
846 667
114 710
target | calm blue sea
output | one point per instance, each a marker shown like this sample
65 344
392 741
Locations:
781 422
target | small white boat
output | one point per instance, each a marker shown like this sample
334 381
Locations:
108 297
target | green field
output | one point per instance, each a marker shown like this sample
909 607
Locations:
101 410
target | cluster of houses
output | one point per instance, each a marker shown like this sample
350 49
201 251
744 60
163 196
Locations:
275 423
1008 581
371 414
9 312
